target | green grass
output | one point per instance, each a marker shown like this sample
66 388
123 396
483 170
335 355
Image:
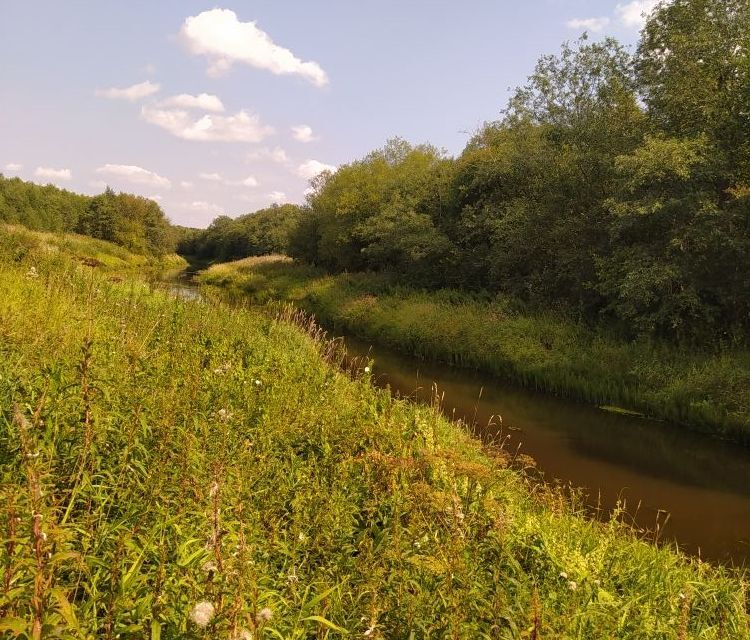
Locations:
545 351
156 454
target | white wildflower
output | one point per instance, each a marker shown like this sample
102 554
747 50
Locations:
258 382
224 415
572 585
32 273
202 613
563 575
264 615
367 369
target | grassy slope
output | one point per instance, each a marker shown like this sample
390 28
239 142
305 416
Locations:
705 391
156 453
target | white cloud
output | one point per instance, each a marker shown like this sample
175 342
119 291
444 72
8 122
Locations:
250 181
590 24
135 175
277 196
219 35
241 127
634 13
277 154
53 174
312 168
13 166
211 177
204 101
303 133
201 205
186 184
132 93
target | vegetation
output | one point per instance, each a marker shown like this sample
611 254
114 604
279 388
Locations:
614 187
543 350
136 223
255 234
177 469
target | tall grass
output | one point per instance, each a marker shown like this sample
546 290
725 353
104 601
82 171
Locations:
545 351
174 469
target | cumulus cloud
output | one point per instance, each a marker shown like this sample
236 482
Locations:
13 166
277 196
589 24
312 168
134 174
277 154
220 36
303 133
250 181
241 127
53 174
208 207
203 101
131 93
634 14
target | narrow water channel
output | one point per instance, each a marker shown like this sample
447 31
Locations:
696 488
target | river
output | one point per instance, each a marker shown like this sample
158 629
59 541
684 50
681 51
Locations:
693 488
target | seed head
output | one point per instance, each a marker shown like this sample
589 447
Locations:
202 613
264 615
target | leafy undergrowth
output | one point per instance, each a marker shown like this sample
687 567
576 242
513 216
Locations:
175 469
705 391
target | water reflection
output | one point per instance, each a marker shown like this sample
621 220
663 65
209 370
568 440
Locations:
657 467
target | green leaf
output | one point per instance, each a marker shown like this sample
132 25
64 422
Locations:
325 623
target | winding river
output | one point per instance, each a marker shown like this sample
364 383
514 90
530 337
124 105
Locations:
681 486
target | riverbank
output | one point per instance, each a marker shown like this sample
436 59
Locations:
709 392
166 463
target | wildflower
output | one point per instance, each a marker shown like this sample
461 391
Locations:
563 575
367 369
32 273
224 415
370 631
258 382
572 585
264 615
202 613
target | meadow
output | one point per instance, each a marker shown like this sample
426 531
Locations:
175 469
548 351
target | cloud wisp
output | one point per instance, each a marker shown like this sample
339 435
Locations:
634 14
240 127
589 24
219 35
134 174
53 174
303 133
132 93
203 101
250 181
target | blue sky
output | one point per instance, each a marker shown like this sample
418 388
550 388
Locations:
225 108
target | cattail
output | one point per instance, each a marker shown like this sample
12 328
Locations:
202 613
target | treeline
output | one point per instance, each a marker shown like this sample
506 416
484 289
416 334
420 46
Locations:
134 222
614 185
255 234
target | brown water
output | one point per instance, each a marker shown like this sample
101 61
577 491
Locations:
660 470
695 488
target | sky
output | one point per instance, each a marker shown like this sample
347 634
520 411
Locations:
223 109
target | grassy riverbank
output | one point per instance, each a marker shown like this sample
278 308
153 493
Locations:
710 392
157 454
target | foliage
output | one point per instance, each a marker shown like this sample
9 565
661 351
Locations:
542 350
134 222
255 234
175 469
